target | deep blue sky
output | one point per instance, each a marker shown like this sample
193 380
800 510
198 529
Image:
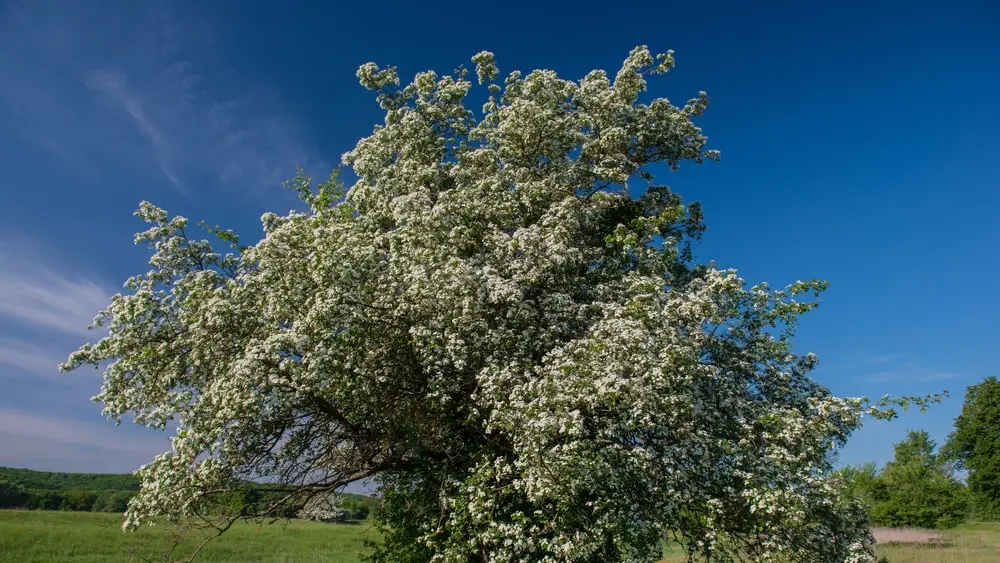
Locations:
859 145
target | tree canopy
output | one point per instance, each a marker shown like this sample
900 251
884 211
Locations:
502 323
28 489
975 445
917 488
47 480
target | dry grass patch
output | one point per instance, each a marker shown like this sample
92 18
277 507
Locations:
886 536
973 542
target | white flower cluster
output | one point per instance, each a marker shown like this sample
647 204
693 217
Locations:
323 508
492 324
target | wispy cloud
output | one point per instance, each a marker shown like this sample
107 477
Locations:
883 359
912 373
106 85
864 362
113 85
890 367
941 376
909 371
45 442
57 431
22 358
41 297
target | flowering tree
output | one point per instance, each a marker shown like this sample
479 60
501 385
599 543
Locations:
324 508
502 324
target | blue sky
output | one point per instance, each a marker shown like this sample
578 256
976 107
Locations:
858 139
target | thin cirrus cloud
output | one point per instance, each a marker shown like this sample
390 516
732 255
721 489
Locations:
36 296
46 419
114 86
912 374
22 359
56 444
889 368
128 85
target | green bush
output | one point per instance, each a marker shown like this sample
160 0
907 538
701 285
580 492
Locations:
917 488
11 495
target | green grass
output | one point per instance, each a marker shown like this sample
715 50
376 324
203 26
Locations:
35 536
40 536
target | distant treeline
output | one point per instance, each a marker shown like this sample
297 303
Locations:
43 490
110 492
45 480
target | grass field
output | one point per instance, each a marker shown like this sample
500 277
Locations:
28 536
37 536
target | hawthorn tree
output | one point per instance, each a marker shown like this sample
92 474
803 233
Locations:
501 323
975 446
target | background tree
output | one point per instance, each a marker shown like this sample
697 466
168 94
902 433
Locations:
975 446
113 501
355 508
324 508
46 490
58 481
864 484
502 323
11 495
917 488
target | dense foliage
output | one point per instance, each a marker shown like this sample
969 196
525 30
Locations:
917 488
110 492
502 323
43 490
56 481
975 446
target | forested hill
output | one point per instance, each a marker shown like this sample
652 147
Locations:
45 490
49 481
111 492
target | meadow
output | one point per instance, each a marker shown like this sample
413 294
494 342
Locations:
42 536
83 537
